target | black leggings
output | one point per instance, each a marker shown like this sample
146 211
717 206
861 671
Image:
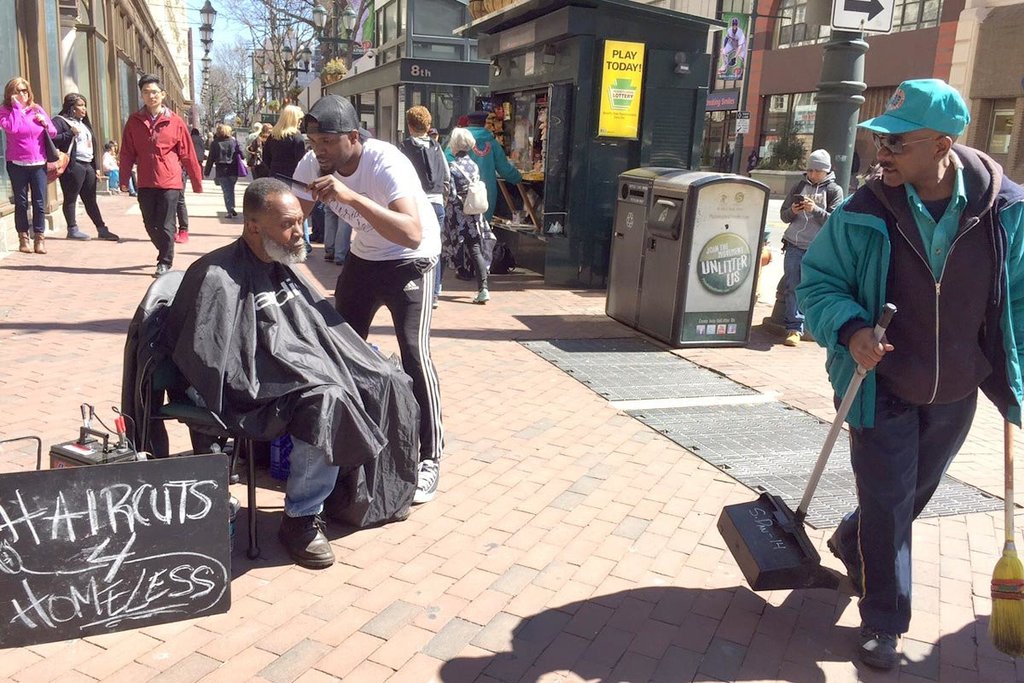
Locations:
79 180
406 289
474 246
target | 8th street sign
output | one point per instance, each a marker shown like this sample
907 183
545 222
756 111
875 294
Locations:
870 16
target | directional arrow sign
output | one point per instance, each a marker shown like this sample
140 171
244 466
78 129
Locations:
870 16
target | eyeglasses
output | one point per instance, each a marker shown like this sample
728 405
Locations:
22 90
893 144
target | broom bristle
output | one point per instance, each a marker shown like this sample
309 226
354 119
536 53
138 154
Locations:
1006 628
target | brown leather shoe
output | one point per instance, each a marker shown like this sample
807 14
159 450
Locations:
24 246
303 538
39 244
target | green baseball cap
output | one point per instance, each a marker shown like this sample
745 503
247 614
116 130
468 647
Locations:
922 103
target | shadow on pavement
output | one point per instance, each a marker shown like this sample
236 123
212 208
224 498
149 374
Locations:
669 634
111 325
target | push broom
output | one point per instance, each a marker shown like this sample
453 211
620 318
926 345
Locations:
1006 628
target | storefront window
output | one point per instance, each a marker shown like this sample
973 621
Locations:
437 17
99 17
128 95
391 22
53 54
804 109
1002 127
428 50
9 64
99 112
76 69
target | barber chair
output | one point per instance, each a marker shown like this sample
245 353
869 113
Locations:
150 374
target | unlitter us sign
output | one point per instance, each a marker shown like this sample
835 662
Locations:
622 77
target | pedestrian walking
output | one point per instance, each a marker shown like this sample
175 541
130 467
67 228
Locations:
223 158
75 137
431 166
467 240
939 234
158 141
806 208
24 122
489 157
396 242
285 146
257 163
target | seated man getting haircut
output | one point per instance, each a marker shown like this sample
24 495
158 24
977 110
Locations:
269 355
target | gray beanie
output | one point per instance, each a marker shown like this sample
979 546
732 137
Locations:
819 161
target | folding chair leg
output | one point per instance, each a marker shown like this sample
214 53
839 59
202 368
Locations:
254 546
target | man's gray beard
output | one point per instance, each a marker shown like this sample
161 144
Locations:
288 257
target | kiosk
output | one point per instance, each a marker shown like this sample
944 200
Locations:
584 90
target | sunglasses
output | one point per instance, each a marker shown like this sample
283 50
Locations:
894 144
22 90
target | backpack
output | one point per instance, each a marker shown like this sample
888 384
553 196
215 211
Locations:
502 260
475 202
429 162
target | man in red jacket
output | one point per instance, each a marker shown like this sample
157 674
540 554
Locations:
158 141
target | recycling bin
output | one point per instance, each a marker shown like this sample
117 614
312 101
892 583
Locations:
698 257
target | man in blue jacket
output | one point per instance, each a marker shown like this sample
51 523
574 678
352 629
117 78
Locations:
941 235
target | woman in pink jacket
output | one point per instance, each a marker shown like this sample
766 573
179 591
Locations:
25 123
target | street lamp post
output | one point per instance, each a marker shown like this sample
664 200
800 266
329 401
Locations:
209 17
348 21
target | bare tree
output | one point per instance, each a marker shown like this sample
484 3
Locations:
229 88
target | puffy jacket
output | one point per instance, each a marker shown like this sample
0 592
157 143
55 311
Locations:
847 274
805 226
162 149
24 135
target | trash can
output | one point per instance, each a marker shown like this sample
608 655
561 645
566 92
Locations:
629 231
698 257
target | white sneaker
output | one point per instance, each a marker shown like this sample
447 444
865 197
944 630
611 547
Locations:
426 482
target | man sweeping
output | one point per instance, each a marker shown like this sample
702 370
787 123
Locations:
940 235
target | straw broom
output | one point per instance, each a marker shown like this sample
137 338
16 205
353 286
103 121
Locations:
1006 628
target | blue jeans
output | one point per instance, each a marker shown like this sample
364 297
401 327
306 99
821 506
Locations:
337 235
897 464
23 179
310 480
791 269
439 210
227 186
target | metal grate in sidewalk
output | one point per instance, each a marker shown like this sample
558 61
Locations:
767 446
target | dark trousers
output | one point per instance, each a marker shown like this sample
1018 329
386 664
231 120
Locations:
475 249
23 179
405 288
897 465
79 180
157 208
180 209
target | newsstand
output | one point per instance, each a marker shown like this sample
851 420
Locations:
578 107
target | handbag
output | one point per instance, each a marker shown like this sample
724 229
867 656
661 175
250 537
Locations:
243 170
475 202
56 160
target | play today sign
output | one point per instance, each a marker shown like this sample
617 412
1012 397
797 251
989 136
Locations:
622 78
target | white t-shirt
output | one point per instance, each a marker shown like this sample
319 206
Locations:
384 174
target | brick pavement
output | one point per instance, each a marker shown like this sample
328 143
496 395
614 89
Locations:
569 542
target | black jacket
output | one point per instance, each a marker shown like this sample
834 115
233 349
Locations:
65 140
282 156
224 152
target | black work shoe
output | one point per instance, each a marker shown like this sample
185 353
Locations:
108 236
853 571
161 269
303 538
878 649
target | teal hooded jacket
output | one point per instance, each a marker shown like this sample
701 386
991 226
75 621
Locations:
844 276
491 160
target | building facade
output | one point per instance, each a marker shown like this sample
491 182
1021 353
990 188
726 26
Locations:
94 47
417 61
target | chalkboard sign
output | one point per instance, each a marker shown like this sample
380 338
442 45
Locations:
90 550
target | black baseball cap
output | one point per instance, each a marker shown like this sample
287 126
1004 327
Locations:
331 114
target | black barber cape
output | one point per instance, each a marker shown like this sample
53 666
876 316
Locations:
270 355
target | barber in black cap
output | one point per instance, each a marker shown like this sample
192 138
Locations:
396 241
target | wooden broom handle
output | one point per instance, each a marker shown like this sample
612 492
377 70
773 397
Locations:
1008 434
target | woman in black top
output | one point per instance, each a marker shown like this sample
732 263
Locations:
285 146
225 153
75 136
